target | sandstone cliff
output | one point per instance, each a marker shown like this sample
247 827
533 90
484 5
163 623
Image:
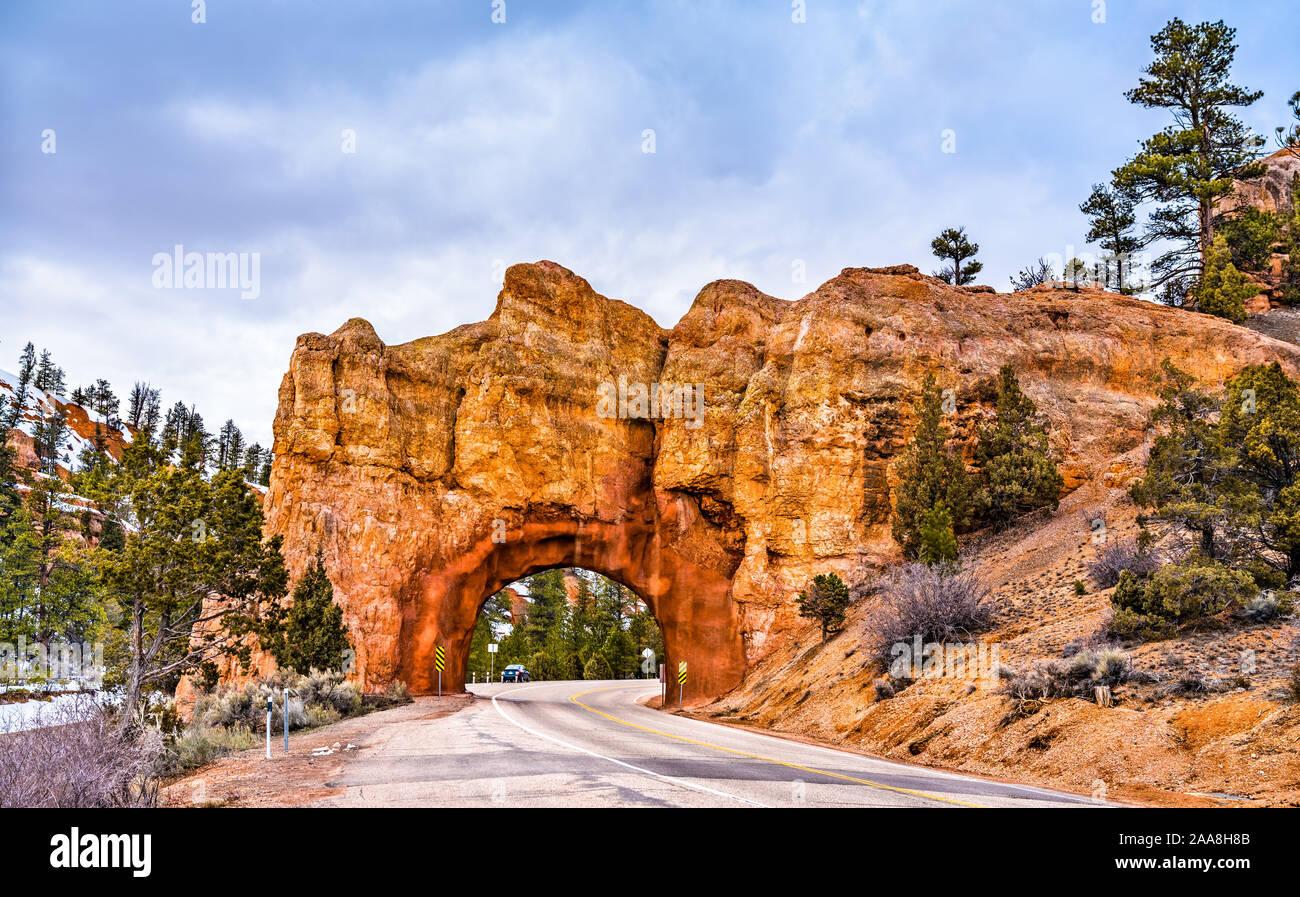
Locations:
435 472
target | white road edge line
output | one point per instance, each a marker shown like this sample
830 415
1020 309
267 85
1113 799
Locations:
672 779
919 771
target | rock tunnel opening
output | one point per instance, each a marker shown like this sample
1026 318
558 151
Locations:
689 601
565 623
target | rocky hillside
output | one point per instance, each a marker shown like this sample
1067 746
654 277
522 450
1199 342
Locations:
1215 725
1269 193
81 422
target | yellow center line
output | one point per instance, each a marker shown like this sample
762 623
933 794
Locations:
718 747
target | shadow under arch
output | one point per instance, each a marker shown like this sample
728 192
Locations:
690 601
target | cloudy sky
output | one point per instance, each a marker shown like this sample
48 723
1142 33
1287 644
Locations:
481 144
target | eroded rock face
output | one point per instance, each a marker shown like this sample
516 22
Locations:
436 472
1272 191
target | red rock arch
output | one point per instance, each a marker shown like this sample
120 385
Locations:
692 604
434 472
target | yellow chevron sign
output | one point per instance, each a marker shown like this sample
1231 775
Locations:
440 658
681 673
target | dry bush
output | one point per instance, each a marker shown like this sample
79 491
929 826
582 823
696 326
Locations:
1119 555
199 747
315 696
940 604
1076 676
79 758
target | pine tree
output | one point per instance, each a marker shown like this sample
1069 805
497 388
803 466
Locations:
1015 460
48 437
953 244
826 600
230 447
188 540
618 650
26 373
929 473
142 405
1187 167
493 616
252 462
597 667
175 426
103 401
152 413
65 601
1223 289
1076 271
1111 221
49 377
1289 137
193 437
1040 272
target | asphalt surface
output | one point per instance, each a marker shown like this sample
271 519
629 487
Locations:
589 744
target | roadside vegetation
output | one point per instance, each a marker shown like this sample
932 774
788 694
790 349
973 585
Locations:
233 717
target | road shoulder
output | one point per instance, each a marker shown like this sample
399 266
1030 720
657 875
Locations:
316 758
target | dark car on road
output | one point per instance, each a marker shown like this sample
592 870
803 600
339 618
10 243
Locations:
516 672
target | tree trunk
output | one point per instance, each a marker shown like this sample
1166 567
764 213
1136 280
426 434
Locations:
135 671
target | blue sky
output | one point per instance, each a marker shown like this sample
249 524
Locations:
480 145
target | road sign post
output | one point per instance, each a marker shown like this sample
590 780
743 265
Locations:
286 719
268 727
492 660
681 683
440 661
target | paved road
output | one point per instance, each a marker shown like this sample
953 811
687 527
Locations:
589 744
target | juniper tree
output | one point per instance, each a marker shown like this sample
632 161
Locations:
826 600
953 244
930 473
1251 236
1223 290
310 634
937 540
1260 422
597 667
195 576
1017 470
1187 478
